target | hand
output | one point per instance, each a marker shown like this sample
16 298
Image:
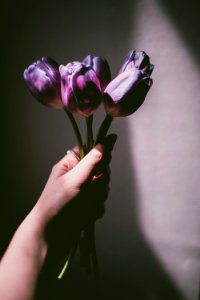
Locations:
70 178
86 182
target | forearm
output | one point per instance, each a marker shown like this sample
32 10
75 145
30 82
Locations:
23 260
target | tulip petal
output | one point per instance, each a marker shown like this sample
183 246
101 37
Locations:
130 102
149 69
123 84
101 68
86 89
139 60
66 89
127 61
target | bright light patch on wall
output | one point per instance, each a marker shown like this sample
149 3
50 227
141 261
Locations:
165 146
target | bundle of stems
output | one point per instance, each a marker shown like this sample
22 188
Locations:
86 238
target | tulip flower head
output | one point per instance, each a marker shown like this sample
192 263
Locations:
100 67
126 92
80 88
43 81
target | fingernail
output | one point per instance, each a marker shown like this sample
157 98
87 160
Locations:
100 148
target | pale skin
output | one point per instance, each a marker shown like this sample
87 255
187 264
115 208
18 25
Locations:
23 260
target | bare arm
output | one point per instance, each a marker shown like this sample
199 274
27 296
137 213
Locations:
24 258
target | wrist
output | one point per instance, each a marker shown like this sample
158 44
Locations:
37 221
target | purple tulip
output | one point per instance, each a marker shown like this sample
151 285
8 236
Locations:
43 81
100 67
126 92
80 88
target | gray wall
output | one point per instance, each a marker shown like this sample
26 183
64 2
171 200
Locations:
148 241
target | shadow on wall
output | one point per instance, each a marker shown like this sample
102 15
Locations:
187 27
134 271
129 269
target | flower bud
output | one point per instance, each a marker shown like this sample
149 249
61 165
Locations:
139 60
43 81
126 92
80 88
100 67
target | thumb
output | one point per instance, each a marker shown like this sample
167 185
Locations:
83 170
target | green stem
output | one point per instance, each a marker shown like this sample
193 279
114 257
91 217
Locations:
90 141
68 261
77 132
103 128
60 276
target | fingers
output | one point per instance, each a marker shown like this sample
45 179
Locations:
94 162
96 159
85 168
102 176
108 143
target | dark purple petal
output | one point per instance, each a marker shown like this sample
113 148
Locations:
87 91
101 68
148 69
122 84
80 88
43 81
128 59
139 60
66 90
126 93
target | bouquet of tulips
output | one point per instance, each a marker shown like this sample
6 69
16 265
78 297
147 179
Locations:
80 87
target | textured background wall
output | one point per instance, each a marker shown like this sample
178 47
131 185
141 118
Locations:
148 241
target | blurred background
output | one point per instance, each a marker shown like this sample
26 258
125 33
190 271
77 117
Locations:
148 241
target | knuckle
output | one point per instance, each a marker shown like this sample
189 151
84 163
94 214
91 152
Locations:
67 165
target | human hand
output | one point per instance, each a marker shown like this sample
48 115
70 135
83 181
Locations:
71 179
73 198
